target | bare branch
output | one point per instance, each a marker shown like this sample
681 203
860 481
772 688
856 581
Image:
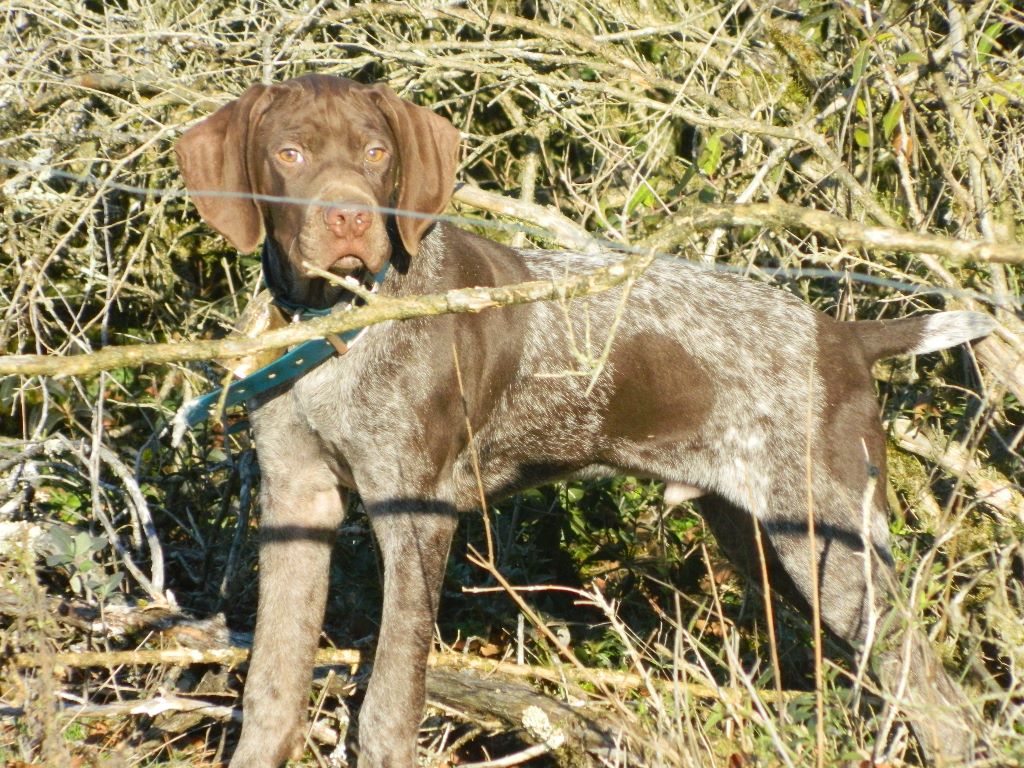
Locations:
780 215
775 214
382 309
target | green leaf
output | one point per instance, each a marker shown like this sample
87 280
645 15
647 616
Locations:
61 540
859 63
988 39
123 376
912 57
83 543
644 195
892 118
109 585
862 137
707 194
996 101
711 154
75 732
714 718
65 499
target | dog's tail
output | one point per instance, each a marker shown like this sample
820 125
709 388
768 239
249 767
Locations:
918 335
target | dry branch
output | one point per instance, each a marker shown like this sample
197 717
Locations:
105 82
342 657
779 215
559 228
955 460
485 699
488 697
113 622
380 310
168 703
775 215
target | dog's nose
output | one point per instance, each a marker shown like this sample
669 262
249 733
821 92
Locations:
347 222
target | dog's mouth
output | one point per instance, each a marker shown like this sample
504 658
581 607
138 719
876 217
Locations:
346 265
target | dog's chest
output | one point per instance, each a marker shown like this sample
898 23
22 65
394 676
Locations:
360 404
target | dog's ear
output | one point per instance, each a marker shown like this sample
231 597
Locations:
428 145
213 157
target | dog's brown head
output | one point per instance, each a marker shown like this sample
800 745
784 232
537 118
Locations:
340 150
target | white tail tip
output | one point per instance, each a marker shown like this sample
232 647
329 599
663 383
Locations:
947 329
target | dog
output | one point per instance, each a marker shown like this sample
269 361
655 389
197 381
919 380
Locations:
721 387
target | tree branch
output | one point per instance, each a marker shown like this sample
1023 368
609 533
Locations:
956 461
780 215
775 215
382 309
562 229
232 656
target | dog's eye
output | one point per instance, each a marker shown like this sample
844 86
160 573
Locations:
376 154
289 155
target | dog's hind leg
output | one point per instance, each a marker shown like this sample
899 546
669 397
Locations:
859 600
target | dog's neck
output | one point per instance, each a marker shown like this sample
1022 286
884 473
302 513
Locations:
417 274
408 275
314 296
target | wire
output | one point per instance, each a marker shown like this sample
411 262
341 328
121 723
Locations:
47 172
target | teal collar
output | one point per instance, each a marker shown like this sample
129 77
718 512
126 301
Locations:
285 369
269 260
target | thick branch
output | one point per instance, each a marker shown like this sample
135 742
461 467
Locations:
380 310
957 461
233 656
561 229
776 215
779 215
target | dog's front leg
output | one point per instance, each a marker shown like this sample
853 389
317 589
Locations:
414 539
300 519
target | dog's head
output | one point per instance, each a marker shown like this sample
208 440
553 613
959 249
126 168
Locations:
336 152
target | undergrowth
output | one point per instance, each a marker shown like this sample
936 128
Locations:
623 117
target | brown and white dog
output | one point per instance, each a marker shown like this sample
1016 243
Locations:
717 385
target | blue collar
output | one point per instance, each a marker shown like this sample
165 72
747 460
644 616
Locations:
287 368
